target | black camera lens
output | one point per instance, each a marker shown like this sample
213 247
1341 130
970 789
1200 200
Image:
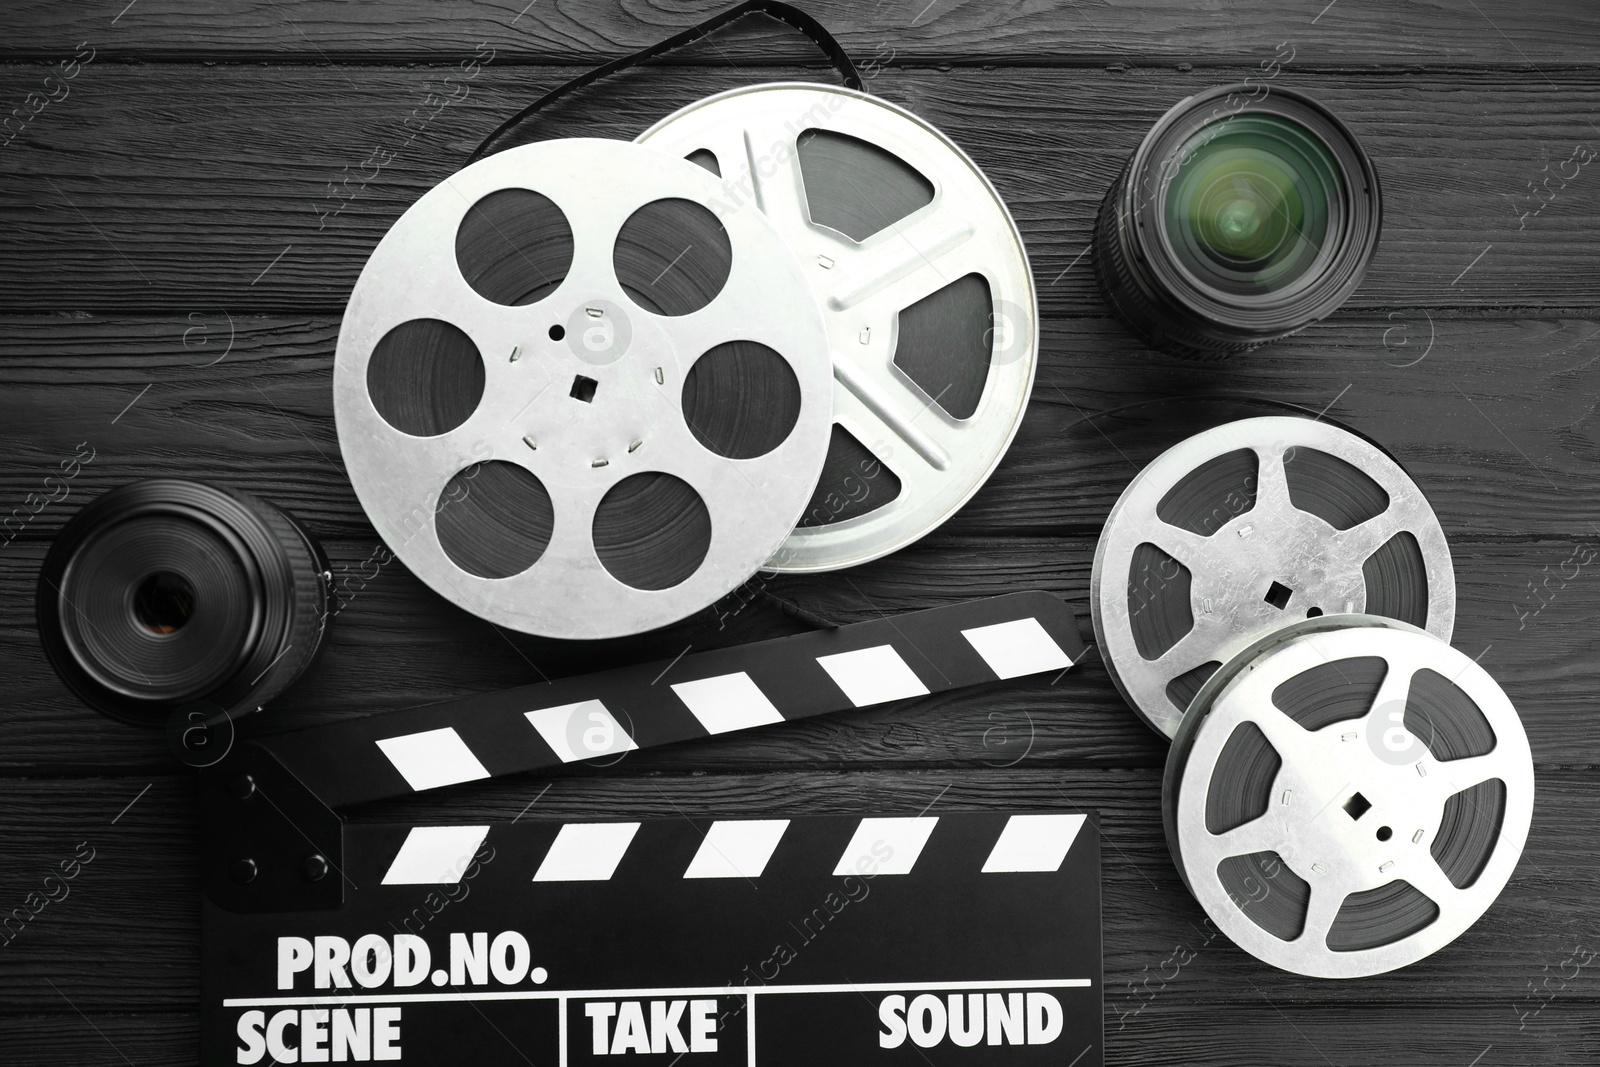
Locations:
1245 215
165 594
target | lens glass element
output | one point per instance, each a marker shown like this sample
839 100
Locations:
1253 205
163 602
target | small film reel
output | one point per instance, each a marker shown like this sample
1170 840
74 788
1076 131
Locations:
1348 796
1245 528
579 394
925 287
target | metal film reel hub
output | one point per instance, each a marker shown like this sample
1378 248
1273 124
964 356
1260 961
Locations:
1382 834
1251 560
581 389
755 136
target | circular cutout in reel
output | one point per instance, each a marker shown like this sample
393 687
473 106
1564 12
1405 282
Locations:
1347 796
573 288
925 287
1245 528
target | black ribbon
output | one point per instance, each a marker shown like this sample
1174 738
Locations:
785 13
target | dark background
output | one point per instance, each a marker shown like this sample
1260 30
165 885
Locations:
168 297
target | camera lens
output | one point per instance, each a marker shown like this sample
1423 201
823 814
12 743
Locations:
1244 216
164 593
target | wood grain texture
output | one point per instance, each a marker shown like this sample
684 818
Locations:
1496 423
167 295
1536 34
191 188
397 644
1562 1035
125 937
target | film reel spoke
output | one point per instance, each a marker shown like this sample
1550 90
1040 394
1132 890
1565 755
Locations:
1359 542
1459 775
1272 482
910 260
1297 747
1322 910
758 162
1428 878
1390 696
896 409
1262 834
1190 651
1189 549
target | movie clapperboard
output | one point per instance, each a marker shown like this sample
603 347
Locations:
860 939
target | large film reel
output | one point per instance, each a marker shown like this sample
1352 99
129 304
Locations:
926 290
1249 526
1348 796
543 383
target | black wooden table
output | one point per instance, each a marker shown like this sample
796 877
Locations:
172 279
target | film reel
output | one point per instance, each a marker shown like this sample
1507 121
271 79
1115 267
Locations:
925 286
1348 796
556 382
1244 528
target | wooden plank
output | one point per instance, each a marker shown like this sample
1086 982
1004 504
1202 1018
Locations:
87 945
1541 33
396 644
1495 420
106 209
149 1039
1377 1033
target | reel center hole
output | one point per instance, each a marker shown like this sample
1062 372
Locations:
1358 806
1278 595
163 602
583 388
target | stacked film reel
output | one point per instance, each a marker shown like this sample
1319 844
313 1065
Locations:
540 389
585 388
923 282
1345 793
1348 796
1243 528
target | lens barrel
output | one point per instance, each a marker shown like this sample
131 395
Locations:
166 593
1246 214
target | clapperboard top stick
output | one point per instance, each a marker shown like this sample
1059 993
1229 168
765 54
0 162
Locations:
308 773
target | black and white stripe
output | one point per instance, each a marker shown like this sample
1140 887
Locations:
730 848
616 711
